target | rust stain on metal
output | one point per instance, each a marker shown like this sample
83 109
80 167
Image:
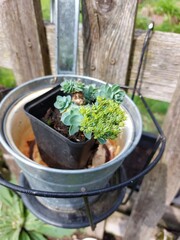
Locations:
104 154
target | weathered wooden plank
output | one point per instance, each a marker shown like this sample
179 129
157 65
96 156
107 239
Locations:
50 33
5 59
160 186
98 233
160 72
21 22
108 28
161 69
170 220
116 225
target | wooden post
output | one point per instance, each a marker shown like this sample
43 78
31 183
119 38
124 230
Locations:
108 28
21 21
161 185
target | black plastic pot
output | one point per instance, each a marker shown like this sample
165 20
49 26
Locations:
56 150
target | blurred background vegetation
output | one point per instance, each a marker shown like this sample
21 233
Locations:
166 16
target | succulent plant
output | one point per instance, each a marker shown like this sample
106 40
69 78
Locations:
18 223
90 93
71 86
72 118
113 92
62 103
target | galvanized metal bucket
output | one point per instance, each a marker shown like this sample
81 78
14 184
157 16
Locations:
15 126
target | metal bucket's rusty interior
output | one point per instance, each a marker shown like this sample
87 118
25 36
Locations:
104 154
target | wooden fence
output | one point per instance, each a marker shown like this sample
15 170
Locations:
110 51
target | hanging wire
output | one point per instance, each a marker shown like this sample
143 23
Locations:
144 49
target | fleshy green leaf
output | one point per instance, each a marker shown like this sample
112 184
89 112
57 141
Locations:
52 231
76 119
6 196
11 235
36 227
62 103
15 235
101 140
73 129
36 236
72 86
31 222
24 236
14 227
88 135
66 119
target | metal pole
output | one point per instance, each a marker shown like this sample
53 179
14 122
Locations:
65 16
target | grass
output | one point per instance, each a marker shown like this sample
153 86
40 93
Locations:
158 108
7 78
45 4
169 8
167 26
167 11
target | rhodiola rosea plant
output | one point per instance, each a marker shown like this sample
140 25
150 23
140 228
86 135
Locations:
93 111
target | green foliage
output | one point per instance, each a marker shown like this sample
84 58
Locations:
113 92
104 120
7 78
17 223
72 118
168 26
62 103
45 4
71 86
159 110
142 22
90 93
167 11
167 7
